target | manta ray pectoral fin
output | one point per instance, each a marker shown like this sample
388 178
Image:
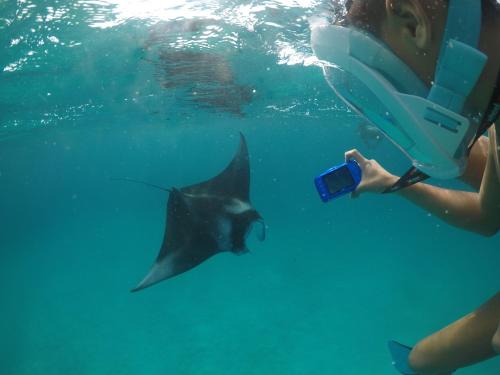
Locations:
241 251
161 270
233 181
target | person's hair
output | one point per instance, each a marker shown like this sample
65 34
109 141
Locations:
369 14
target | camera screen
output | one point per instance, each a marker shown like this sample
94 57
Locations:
338 179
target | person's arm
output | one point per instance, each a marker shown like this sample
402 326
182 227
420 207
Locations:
489 193
477 212
459 208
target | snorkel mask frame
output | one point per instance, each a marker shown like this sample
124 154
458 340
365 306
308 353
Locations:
428 125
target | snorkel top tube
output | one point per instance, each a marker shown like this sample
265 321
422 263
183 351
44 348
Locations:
430 125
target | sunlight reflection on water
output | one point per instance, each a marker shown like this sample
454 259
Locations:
120 55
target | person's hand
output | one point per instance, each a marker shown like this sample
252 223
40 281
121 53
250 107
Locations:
375 179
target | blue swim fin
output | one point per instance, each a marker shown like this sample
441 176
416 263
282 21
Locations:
400 354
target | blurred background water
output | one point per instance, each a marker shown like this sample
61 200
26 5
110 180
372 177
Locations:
158 91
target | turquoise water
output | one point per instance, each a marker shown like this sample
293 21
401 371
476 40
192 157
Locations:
103 89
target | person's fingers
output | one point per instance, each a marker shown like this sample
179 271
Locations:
356 155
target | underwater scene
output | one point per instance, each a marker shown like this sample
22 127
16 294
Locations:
99 98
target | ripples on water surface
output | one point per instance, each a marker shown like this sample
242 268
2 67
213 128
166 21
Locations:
223 56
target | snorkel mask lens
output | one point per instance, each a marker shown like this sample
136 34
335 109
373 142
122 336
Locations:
357 96
425 123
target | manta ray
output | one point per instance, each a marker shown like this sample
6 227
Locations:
205 219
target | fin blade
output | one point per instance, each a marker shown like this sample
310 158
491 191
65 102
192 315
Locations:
400 354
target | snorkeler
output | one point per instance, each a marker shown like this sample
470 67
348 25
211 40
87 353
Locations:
425 72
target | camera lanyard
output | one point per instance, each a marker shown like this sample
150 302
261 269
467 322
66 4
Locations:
414 175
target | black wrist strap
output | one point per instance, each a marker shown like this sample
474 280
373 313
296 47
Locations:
409 178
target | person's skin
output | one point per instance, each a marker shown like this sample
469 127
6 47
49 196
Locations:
413 30
467 341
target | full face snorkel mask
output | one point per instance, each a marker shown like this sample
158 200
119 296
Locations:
428 124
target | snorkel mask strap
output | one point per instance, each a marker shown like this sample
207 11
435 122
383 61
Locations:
459 66
460 63
414 175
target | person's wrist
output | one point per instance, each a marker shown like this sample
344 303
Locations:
390 180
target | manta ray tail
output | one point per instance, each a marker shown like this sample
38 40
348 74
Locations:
141 182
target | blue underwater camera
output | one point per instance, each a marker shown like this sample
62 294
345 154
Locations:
338 181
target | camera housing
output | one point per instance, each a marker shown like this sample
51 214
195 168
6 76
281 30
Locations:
338 181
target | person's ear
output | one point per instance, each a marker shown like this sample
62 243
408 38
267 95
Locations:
410 21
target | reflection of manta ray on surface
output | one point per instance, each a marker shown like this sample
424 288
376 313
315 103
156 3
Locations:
207 77
205 219
203 77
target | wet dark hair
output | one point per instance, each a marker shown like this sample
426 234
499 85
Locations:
367 15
